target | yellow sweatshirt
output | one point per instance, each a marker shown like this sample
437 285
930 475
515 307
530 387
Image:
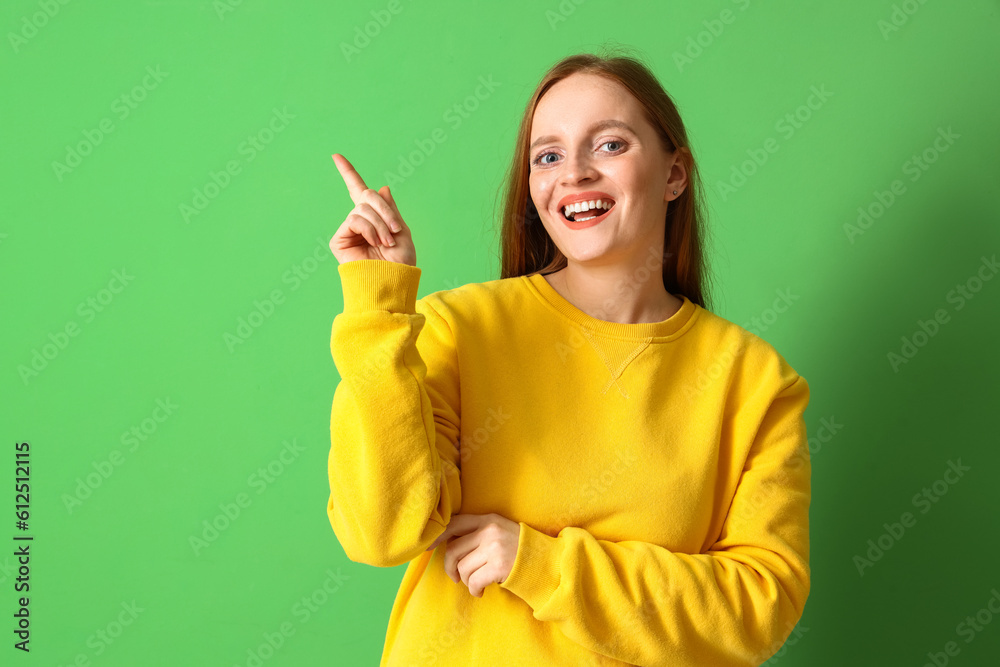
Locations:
659 473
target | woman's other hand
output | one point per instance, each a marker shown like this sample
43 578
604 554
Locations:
484 554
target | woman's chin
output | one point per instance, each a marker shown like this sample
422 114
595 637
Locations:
582 254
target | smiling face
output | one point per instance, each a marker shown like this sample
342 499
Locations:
595 141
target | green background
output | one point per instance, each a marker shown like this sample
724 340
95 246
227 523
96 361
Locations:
167 334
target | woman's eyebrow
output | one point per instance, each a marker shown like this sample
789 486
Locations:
599 125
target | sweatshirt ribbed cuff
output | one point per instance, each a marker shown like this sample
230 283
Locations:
378 284
534 577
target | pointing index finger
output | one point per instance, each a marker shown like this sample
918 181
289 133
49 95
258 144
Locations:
355 184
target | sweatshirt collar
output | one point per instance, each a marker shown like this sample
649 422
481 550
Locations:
667 330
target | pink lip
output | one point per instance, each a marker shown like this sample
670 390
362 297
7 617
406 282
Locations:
589 195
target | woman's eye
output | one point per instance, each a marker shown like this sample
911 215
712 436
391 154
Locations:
541 158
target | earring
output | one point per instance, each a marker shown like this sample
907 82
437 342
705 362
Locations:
675 191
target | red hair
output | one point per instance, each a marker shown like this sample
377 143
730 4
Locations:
525 244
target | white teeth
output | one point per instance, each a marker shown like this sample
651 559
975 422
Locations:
582 206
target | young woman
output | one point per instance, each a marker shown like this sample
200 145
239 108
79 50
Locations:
627 467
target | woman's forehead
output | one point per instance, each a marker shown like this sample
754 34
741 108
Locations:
581 101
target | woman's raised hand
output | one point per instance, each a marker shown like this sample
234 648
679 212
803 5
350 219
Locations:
373 225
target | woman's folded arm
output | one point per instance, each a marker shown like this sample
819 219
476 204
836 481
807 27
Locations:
394 425
733 605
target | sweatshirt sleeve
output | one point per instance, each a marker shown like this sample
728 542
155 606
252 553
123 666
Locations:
733 605
394 426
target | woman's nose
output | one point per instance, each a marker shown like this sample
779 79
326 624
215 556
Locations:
578 166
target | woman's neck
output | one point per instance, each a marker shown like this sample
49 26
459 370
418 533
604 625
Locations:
616 298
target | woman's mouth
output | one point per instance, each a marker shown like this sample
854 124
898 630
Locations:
586 214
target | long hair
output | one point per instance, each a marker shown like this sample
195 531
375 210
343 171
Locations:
526 247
